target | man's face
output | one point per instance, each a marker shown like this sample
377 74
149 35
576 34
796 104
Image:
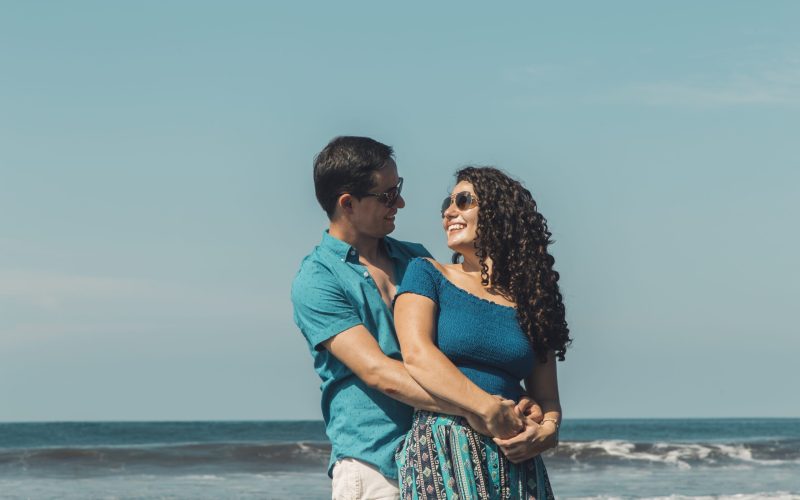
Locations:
372 217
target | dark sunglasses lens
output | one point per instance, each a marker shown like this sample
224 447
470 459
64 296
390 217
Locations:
391 195
463 201
445 205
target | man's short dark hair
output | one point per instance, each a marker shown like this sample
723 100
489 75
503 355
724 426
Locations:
346 165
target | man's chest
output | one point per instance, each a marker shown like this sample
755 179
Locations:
382 278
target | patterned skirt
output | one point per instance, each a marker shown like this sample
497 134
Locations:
444 458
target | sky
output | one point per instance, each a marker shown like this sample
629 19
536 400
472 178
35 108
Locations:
156 194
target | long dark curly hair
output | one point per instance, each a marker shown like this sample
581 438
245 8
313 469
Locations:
513 233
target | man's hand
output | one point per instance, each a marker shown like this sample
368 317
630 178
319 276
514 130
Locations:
530 408
532 441
477 424
502 419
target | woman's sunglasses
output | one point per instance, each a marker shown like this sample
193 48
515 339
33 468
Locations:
389 197
463 200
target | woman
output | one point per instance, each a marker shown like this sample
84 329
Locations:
469 333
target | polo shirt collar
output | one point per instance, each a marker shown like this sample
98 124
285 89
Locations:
335 245
346 251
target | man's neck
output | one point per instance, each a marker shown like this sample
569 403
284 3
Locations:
367 247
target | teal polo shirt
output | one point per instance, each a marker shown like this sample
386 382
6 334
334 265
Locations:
331 293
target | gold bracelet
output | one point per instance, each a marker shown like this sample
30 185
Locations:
555 422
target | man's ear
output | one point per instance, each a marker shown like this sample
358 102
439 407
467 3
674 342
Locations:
345 201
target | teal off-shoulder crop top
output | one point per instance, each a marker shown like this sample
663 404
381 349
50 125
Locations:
483 339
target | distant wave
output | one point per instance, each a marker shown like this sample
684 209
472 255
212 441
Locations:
683 455
215 456
202 458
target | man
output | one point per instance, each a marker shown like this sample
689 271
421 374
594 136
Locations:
342 298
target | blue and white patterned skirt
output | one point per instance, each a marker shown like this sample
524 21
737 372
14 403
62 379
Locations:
444 458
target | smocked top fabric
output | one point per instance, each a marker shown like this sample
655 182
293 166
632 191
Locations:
482 338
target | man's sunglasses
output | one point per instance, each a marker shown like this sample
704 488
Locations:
463 200
388 198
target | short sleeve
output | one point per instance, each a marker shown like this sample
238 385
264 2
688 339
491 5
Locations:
321 308
421 278
419 250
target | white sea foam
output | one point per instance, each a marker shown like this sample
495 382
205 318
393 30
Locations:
742 453
626 450
202 477
682 455
771 495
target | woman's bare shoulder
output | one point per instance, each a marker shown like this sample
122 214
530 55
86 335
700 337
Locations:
447 270
438 265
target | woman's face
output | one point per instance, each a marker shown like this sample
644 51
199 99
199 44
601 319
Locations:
460 224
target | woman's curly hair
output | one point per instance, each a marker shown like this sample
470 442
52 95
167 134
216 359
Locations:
515 236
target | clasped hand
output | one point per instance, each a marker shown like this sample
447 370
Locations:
517 429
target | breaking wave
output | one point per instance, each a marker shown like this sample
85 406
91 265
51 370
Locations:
683 455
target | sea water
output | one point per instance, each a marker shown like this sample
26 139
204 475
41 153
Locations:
599 459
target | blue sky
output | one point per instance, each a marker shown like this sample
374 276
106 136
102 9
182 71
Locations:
156 195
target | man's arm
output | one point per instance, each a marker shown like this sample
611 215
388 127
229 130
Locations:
328 320
414 317
359 351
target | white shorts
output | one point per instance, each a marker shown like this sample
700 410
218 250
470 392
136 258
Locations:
357 480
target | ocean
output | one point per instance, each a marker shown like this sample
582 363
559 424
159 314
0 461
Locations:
597 459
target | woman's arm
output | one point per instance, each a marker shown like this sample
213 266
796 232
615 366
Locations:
542 386
414 317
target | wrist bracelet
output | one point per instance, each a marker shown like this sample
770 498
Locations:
555 422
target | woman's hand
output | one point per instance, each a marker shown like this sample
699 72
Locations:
532 441
502 419
530 408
